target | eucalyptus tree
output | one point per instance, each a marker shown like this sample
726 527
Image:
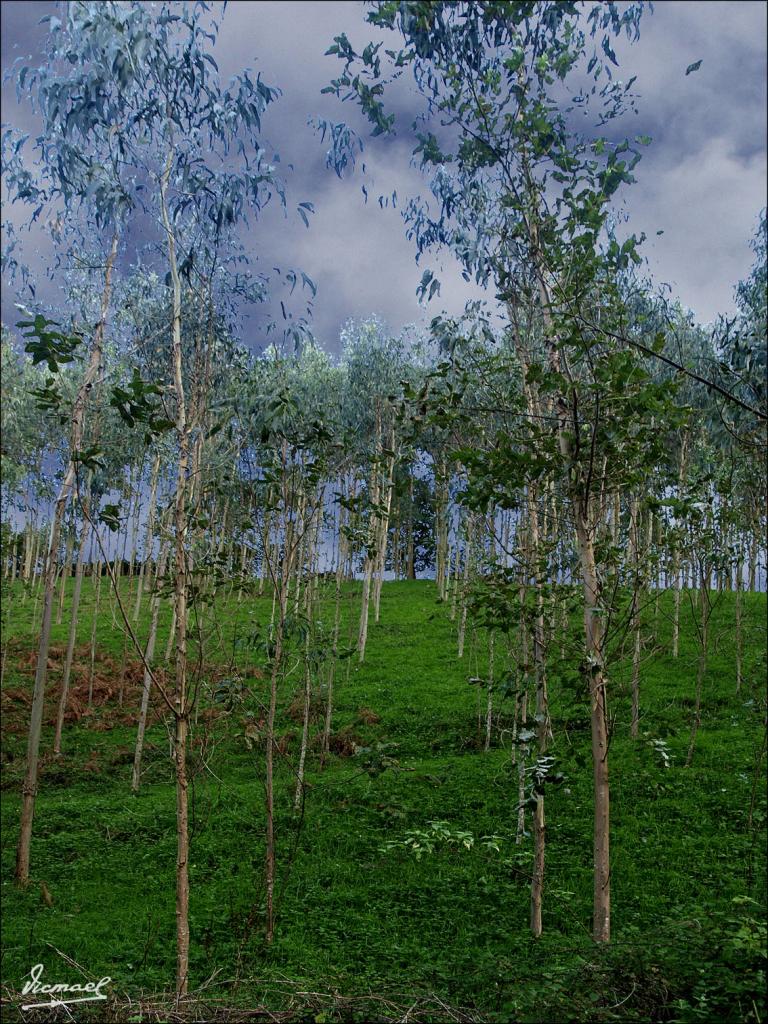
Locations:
523 199
292 456
76 180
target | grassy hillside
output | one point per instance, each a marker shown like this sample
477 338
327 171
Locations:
366 927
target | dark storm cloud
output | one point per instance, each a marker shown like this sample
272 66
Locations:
354 251
702 181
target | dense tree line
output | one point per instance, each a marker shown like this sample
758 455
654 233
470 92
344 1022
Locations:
569 457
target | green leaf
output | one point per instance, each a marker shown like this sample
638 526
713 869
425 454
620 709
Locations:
693 67
110 516
89 457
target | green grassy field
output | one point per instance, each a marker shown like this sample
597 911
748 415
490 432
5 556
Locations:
367 931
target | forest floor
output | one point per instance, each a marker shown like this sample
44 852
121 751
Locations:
368 930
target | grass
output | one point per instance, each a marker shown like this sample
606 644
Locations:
365 931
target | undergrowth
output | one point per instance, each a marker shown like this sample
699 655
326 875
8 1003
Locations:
401 887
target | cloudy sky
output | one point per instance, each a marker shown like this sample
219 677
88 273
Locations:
702 181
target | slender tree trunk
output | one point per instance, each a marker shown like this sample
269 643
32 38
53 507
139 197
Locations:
65 572
503 533
332 669
301 556
739 637
362 637
593 631
299 795
409 542
269 866
171 632
539 651
676 553
456 576
38 574
441 526
371 553
9 601
149 654
145 574
94 628
703 656
343 540
522 753
72 627
135 529
752 564
381 553
41 557
524 652
14 559
224 521
267 529
28 550
9 568
537 881
489 688
543 726
181 711
285 569
396 543
593 628
634 527
243 557
465 587
182 854
353 520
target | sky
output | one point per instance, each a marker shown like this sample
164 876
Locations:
702 182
